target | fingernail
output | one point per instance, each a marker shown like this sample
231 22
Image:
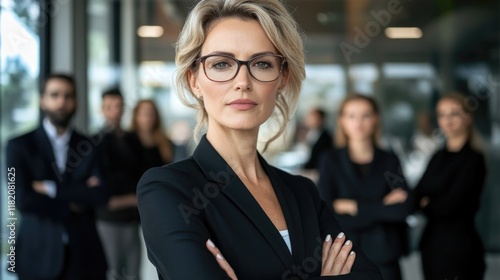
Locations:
340 235
348 242
211 243
328 238
220 257
351 253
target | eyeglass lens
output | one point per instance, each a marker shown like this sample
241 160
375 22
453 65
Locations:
264 68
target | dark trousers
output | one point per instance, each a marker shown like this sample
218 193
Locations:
122 246
67 272
391 271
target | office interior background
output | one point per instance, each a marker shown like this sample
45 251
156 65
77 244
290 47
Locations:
405 53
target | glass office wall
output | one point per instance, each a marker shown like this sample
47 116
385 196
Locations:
20 25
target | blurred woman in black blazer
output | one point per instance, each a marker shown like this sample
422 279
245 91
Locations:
224 213
365 187
449 194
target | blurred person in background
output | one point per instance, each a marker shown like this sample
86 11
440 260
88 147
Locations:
181 135
364 186
118 222
58 186
157 149
449 195
317 137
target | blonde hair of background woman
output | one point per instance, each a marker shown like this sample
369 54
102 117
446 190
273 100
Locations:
279 26
472 134
340 138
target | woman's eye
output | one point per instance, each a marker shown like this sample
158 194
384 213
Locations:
220 65
262 65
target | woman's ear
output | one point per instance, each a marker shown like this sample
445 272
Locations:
193 82
284 81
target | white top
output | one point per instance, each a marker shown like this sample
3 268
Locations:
286 238
60 143
60 146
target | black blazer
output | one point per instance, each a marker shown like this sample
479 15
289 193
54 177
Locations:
453 182
122 168
40 250
324 143
379 230
185 203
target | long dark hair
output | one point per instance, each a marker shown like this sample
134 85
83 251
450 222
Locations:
159 137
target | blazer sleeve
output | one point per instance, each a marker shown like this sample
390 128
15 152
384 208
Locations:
463 195
174 226
376 211
329 191
82 194
27 200
30 201
363 268
370 212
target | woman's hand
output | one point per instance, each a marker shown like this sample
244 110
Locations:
338 258
39 187
220 259
395 196
424 201
345 206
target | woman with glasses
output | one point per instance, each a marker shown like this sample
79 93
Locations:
225 213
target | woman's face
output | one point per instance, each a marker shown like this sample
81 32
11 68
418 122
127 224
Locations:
358 120
146 117
242 103
452 119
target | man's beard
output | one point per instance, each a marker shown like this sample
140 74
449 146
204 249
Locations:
58 119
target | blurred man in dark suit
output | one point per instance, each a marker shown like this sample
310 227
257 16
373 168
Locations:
317 137
118 222
58 186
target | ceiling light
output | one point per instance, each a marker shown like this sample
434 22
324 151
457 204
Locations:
403 32
150 31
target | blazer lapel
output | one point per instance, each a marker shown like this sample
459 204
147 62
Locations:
213 165
352 179
291 212
73 159
45 147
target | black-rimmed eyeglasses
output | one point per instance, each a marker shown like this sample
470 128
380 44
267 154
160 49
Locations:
223 68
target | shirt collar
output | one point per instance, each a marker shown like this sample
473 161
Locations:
51 131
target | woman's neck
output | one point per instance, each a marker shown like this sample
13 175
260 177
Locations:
455 144
361 152
146 137
239 149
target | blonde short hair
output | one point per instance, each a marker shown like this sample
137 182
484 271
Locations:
279 26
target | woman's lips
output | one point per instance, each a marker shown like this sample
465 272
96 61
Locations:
242 104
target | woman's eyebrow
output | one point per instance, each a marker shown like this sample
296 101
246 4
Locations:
232 54
263 53
222 53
